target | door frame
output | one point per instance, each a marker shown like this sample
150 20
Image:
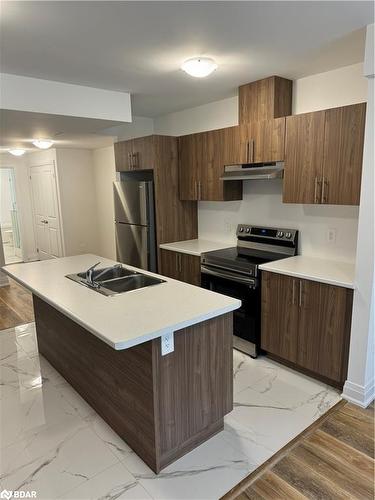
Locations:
11 166
58 202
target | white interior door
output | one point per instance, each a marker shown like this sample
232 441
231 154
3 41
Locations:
46 214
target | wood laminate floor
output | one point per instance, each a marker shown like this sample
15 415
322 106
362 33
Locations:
333 460
16 306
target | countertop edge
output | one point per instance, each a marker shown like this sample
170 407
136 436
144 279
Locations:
171 246
311 277
139 340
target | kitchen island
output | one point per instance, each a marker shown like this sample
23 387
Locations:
109 348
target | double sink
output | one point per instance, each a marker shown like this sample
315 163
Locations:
114 280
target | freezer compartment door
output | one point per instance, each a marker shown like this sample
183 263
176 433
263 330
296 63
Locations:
133 246
132 202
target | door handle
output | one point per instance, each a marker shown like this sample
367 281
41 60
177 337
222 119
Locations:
294 293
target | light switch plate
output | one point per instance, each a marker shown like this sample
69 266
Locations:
167 343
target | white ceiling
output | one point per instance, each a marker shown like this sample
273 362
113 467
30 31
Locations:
19 128
139 46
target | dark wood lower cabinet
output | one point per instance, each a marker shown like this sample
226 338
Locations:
181 266
279 315
162 406
307 324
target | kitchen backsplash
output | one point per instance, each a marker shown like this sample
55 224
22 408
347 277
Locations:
326 231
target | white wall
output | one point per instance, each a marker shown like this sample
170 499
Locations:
78 200
360 385
338 87
262 203
104 175
210 116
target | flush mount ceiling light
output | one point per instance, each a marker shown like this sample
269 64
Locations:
43 143
17 152
199 66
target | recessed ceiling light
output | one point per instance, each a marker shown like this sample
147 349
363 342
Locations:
43 143
199 66
17 152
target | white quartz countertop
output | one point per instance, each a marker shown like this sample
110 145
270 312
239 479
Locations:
311 268
123 320
195 247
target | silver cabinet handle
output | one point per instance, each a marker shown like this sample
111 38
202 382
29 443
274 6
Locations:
130 161
316 199
250 151
199 190
135 158
324 190
294 292
180 262
300 293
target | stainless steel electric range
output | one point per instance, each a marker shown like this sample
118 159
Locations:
234 272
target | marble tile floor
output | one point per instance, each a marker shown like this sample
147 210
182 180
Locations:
54 443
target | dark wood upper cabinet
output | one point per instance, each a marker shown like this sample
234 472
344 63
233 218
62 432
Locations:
123 155
307 324
202 158
343 153
279 315
265 99
262 141
135 154
181 266
303 158
323 156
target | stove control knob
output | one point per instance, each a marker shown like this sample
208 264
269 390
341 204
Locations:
280 234
241 229
248 230
288 235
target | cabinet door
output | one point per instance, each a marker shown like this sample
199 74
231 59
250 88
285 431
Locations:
324 329
264 140
190 269
188 157
123 152
279 315
343 151
303 158
169 264
219 148
143 153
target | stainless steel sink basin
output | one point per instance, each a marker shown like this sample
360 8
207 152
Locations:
114 280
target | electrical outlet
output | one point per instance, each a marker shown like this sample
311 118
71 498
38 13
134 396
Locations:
331 235
167 343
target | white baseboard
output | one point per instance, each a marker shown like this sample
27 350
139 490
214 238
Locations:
358 394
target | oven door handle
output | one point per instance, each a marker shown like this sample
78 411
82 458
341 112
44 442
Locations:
228 276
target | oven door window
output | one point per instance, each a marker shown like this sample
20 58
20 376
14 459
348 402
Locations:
247 317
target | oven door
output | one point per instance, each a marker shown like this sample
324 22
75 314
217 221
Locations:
246 326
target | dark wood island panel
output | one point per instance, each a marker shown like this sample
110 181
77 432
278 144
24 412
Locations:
162 406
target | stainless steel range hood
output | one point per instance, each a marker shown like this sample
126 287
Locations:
253 171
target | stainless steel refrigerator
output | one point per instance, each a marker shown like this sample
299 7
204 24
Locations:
135 223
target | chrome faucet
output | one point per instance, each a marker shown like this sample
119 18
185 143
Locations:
90 273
